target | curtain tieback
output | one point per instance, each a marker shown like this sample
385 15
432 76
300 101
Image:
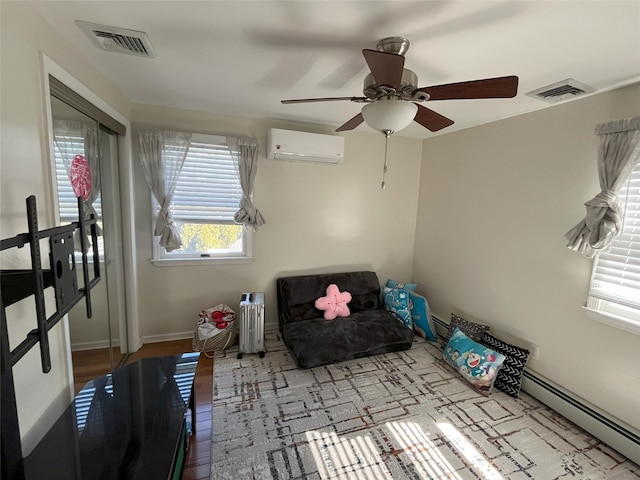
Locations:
604 205
248 214
246 205
164 219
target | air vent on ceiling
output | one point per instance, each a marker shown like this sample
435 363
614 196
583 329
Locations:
559 91
119 40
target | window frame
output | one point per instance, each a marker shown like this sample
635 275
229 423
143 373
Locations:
162 258
618 315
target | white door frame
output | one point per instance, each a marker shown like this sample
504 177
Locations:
130 324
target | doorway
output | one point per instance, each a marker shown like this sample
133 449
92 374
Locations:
85 162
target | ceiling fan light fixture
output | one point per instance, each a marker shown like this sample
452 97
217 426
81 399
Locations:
389 115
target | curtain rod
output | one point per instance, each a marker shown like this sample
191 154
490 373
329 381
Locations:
618 126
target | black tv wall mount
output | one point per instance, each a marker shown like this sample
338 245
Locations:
17 285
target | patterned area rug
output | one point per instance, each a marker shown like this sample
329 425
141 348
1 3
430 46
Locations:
404 415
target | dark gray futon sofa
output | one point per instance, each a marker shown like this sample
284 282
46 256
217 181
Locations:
314 341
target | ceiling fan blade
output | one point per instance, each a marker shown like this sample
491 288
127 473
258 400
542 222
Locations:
327 99
386 68
351 124
500 87
431 120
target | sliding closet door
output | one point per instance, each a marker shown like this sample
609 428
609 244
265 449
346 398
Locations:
86 165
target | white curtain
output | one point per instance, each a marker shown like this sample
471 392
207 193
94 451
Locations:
617 154
245 154
162 155
64 131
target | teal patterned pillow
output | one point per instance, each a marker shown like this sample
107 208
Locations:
478 365
421 316
396 301
407 286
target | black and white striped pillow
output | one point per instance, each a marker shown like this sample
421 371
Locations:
509 377
474 331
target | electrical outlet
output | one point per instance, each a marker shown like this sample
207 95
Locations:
535 349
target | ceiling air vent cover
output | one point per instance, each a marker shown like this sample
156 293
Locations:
564 90
119 40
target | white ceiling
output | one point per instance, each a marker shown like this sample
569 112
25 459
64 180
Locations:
243 57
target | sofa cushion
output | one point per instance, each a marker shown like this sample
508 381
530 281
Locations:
297 295
314 342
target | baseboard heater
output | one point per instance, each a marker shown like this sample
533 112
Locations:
616 434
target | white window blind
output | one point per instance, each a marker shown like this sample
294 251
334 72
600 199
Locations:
208 189
616 274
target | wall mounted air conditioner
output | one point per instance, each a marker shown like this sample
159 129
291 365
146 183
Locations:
304 147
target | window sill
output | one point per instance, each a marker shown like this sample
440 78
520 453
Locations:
199 262
613 320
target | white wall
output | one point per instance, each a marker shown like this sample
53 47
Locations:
320 218
25 170
495 203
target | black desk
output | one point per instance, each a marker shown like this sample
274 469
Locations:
129 424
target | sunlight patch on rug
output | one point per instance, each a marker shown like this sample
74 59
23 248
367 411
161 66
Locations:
340 458
472 455
402 415
422 452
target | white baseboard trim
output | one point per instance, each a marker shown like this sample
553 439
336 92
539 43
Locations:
80 346
618 435
441 327
612 431
167 337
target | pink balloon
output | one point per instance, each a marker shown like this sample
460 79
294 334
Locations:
80 177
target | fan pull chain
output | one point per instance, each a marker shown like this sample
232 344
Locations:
387 134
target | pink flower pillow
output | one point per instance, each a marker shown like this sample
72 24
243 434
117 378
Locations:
334 303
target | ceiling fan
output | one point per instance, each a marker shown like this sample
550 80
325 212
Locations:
391 92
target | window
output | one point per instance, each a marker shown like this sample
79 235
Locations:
206 197
614 295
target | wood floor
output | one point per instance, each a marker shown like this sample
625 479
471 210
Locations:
90 364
